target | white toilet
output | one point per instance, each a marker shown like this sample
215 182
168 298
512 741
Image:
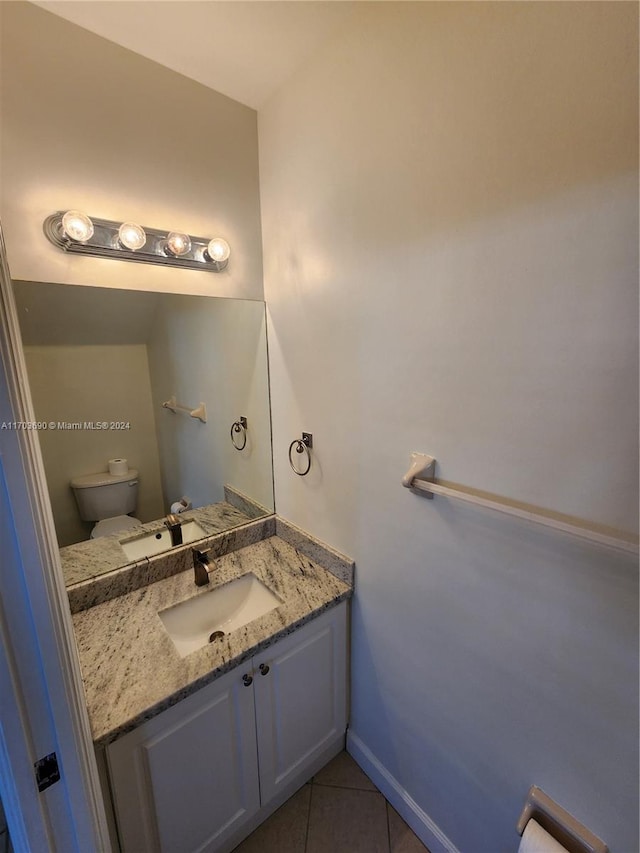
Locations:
107 498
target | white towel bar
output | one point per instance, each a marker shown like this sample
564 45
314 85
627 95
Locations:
200 412
420 476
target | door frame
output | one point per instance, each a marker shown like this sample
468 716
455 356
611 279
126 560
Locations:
72 811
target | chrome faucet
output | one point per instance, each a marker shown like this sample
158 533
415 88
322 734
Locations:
173 523
201 567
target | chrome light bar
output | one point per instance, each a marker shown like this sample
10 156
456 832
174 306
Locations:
73 231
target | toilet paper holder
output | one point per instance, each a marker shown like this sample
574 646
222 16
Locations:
559 823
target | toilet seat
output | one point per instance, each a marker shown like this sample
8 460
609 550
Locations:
117 524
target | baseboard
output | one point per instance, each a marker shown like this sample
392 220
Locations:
419 821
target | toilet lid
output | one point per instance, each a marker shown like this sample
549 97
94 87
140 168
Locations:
117 524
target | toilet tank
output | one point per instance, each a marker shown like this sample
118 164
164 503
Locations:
106 495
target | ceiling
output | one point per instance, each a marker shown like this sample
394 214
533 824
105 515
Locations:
245 49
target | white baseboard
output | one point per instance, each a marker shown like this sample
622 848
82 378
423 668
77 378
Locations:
419 821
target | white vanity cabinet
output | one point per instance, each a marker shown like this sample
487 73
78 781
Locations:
187 777
204 773
300 699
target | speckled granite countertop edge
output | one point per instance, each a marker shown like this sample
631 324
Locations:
91 558
148 570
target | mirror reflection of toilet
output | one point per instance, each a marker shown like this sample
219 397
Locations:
107 499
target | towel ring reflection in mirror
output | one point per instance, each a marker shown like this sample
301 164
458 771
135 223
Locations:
302 445
239 427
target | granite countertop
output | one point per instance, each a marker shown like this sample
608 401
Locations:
131 669
93 557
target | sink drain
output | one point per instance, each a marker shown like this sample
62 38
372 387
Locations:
217 635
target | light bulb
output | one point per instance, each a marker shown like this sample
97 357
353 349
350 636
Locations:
218 250
178 244
132 236
77 226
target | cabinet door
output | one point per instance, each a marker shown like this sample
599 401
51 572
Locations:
300 696
185 780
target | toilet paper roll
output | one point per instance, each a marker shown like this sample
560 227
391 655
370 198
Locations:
181 506
535 839
118 466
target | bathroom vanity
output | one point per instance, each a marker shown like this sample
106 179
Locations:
199 747
200 773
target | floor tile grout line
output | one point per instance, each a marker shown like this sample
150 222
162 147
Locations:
386 808
347 787
306 837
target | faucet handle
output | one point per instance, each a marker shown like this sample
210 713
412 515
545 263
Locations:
200 557
174 526
201 567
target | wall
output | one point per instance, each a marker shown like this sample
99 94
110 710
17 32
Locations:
212 351
450 217
87 124
74 384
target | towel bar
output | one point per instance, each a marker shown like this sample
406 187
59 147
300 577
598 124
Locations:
559 823
200 412
421 476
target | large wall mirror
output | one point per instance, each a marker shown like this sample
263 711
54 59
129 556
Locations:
102 363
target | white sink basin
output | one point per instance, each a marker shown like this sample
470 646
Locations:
191 623
155 543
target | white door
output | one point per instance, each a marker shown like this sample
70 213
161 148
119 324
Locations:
41 701
27 815
188 778
300 695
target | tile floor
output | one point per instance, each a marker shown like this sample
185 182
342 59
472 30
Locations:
339 811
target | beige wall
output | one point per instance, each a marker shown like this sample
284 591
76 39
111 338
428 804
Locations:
74 384
450 223
87 124
212 351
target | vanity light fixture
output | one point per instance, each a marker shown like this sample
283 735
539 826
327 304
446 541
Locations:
218 250
131 236
77 226
74 231
177 244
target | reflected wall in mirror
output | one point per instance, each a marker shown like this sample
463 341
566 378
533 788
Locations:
101 363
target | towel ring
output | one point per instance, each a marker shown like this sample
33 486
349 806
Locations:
302 445
236 427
